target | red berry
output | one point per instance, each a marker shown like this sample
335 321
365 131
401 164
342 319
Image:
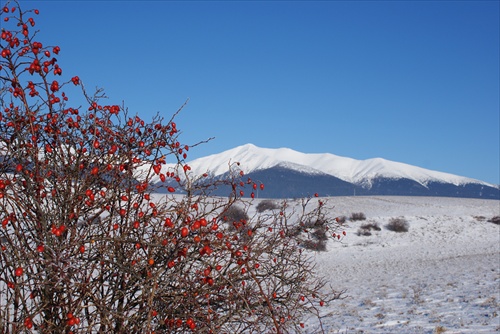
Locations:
196 225
168 223
28 323
184 232
18 272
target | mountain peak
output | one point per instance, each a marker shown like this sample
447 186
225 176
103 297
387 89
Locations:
253 158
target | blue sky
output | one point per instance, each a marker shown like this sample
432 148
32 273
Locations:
412 81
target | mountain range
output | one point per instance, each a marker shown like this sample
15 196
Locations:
290 174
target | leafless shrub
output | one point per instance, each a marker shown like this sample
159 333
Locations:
315 245
355 216
371 226
310 224
266 205
363 232
87 245
315 231
319 233
439 330
236 217
398 225
365 229
235 214
295 231
495 220
341 219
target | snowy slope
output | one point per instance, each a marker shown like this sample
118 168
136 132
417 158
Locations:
252 158
441 275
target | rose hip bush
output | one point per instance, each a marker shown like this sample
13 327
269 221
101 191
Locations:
87 242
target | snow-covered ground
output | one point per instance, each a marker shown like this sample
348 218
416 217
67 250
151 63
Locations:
442 276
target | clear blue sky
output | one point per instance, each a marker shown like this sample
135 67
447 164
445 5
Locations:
410 81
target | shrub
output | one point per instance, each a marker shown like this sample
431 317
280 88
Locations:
88 243
266 205
495 220
439 330
319 233
314 232
363 232
398 225
365 229
235 216
341 219
371 226
315 245
357 216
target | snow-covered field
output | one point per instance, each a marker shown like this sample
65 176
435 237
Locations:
442 276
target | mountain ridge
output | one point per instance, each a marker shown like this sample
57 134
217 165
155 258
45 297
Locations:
253 158
291 174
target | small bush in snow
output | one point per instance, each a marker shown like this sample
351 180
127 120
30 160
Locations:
398 225
341 219
319 233
316 230
495 220
266 205
358 216
313 223
371 226
313 244
439 330
235 214
363 232
365 229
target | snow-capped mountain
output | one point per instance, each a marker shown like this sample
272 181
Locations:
294 174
